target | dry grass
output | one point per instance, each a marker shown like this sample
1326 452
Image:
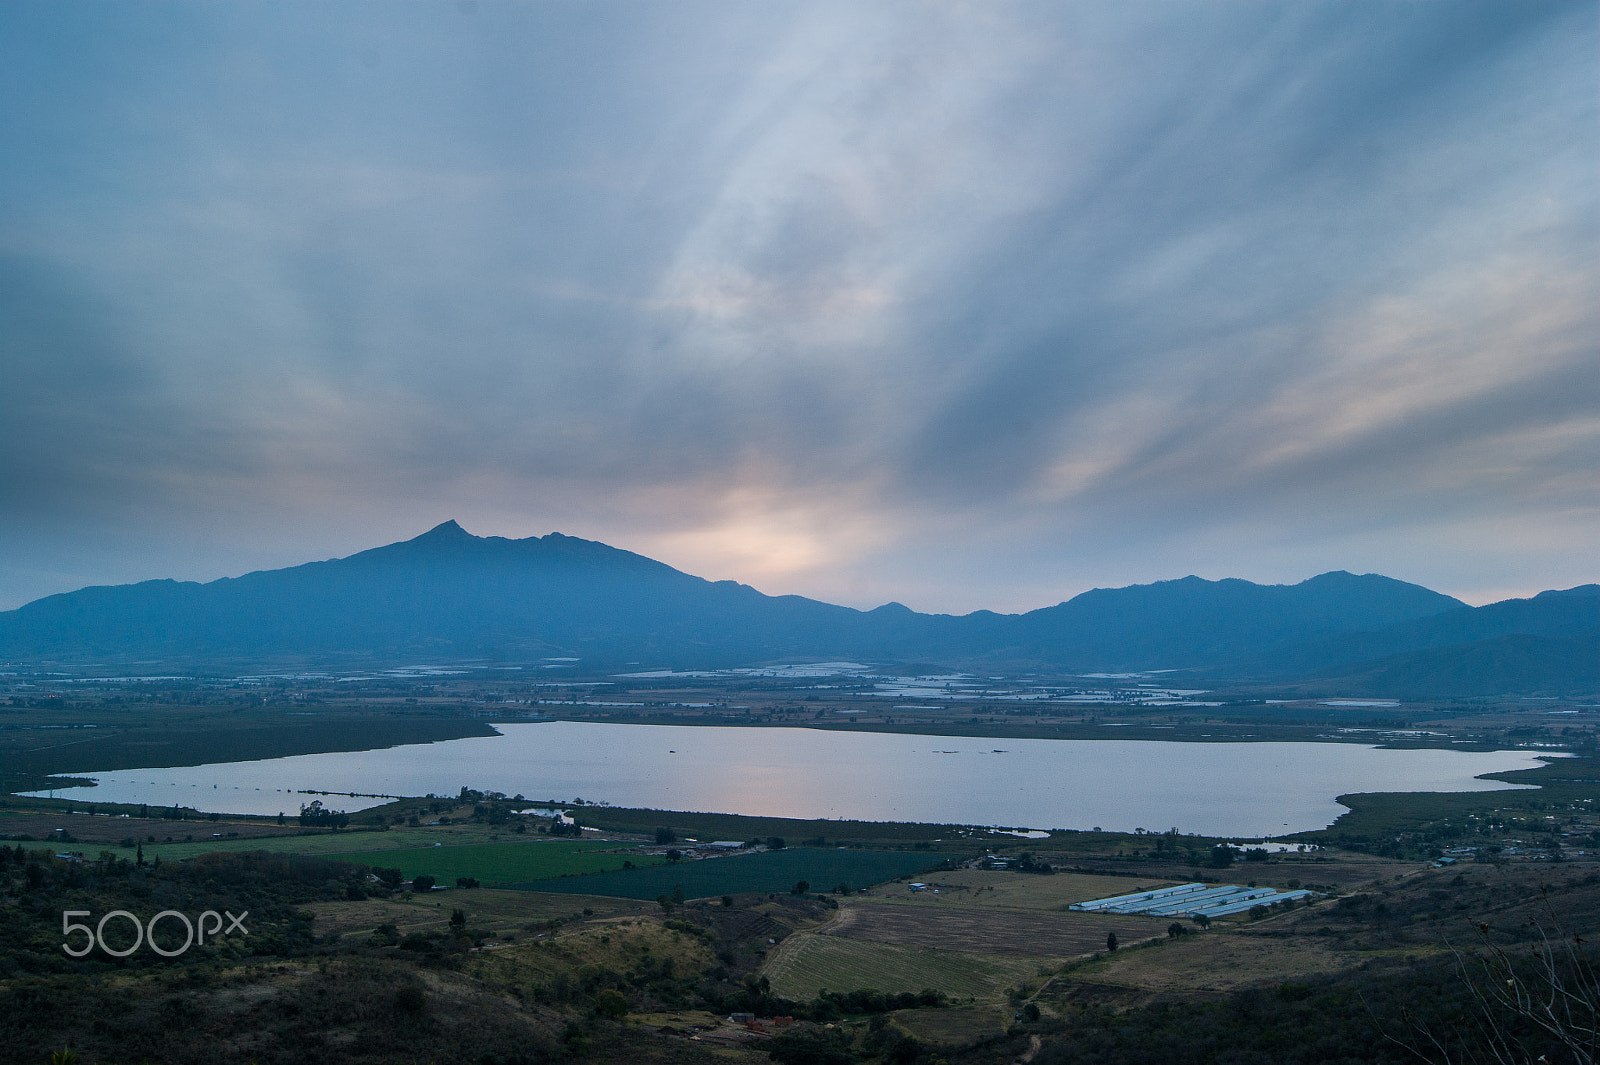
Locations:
970 928
486 908
616 944
806 963
1219 962
959 1027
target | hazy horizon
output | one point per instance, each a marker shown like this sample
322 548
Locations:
961 307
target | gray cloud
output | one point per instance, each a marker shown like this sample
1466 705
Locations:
963 306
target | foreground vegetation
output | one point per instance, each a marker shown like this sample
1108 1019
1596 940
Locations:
341 962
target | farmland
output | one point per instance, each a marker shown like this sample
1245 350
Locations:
529 968
772 871
178 840
997 890
982 935
503 863
491 909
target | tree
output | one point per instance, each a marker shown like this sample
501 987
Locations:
800 887
313 815
1111 941
665 836
611 1003
422 883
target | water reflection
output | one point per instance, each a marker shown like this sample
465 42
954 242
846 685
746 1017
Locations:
1214 788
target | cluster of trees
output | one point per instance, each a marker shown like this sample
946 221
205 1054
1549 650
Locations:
755 997
315 815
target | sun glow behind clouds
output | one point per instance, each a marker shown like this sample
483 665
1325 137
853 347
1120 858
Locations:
769 541
968 306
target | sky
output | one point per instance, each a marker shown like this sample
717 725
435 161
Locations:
959 305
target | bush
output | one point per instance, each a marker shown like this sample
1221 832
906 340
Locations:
611 1003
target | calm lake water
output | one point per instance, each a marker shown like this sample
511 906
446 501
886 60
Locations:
1243 789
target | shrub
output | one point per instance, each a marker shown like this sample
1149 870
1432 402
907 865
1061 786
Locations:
611 1003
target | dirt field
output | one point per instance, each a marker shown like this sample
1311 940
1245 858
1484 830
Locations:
986 931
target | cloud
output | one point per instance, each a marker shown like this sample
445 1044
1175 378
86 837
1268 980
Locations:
968 306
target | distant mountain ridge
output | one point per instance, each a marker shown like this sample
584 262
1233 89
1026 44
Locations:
449 595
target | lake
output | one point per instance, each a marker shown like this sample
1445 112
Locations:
1239 789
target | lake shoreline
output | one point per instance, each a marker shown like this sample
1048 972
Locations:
1119 783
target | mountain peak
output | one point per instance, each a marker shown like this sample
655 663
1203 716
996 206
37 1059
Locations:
447 531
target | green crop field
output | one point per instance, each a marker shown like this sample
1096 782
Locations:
353 846
494 864
823 870
807 963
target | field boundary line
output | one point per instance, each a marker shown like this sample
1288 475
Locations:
778 961
841 919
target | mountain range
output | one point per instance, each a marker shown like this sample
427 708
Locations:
450 596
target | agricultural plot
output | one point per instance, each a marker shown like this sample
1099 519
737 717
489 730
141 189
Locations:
1217 963
806 963
205 837
772 871
494 864
992 889
954 1027
1057 935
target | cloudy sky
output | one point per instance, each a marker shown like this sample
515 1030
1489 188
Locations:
962 305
